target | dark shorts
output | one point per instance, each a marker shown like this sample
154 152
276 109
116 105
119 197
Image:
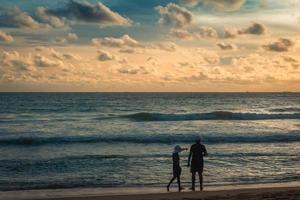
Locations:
176 171
197 168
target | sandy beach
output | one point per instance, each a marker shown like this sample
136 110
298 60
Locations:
284 193
277 191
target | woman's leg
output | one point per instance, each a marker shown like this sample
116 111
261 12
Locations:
179 185
170 182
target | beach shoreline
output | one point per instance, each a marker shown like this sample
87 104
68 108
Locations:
290 190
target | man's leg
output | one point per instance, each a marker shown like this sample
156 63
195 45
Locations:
193 180
201 180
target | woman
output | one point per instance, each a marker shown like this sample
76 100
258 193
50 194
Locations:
176 167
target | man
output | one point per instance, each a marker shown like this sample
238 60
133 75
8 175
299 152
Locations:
197 152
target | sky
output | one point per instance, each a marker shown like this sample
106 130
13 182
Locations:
149 45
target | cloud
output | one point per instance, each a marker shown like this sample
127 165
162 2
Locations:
132 50
124 41
210 32
206 57
207 32
174 15
4 37
165 46
72 37
130 45
224 5
260 68
14 61
202 32
42 61
294 62
181 34
75 11
40 67
190 3
55 54
16 18
231 32
105 56
129 51
90 13
198 77
255 28
21 66
71 56
283 44
43 16
60 40
226 46
132 70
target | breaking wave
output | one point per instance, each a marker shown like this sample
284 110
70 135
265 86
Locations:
151 139
218 115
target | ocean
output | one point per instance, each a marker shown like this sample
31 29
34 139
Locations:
119 140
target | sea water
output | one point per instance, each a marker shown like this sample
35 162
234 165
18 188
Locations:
69 140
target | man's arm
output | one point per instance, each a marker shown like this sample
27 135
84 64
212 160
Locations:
190 155
205 152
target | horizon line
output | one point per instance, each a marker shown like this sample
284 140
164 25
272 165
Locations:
145 92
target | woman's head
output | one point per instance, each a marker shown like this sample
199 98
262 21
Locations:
178 149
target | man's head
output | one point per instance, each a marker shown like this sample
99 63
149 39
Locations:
198 139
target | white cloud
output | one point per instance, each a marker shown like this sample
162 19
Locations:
174 15
166 46
16 18
181 34
4 37
133 70
196 34
60 40
86 12
105 56
226 46
124 41
190 3
72 37
43 16
224 5
42 61
207 32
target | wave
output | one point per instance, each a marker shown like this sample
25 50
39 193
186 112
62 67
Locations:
218 115
97 157
151 139
286 109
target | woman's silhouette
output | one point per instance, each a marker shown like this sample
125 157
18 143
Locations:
176 167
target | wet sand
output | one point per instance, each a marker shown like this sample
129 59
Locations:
253 192
290 193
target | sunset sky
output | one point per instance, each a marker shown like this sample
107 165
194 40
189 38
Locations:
150 45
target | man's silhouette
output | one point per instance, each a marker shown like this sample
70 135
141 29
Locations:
197 152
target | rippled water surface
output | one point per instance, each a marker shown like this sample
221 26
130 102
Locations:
54 140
